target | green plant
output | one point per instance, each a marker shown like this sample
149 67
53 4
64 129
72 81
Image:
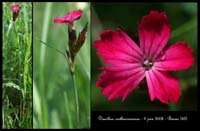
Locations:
17 67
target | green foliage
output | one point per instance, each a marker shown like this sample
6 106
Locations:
17 67
53 90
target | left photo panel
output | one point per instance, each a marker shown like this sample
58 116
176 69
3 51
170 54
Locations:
17 64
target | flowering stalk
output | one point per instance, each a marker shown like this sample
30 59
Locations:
74 45
15 9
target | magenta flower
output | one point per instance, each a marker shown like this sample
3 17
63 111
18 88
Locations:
15 8
70 17
74 42
130 64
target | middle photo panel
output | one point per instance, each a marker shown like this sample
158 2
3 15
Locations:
61 78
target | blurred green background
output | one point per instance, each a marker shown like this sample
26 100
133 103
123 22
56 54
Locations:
183 22
53 91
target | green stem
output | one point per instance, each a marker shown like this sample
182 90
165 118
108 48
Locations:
76 98
15 29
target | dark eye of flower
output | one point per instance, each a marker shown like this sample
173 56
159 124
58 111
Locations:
147 63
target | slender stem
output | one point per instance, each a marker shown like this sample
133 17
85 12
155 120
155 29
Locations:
76 97
15 28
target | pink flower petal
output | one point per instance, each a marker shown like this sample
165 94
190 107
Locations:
117 55
154 32
115 88
59 20
120 39
130 42
132 86
114 75
159 88
177 57
117 46
150 85
74 15
15 7
125 58
117 74
122 67
70 17
109 50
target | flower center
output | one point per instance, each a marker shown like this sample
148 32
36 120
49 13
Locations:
147 63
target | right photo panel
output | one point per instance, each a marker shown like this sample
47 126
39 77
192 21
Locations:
144 57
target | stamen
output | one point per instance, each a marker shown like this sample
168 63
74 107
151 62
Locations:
148 63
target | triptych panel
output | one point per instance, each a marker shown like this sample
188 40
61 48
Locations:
83 65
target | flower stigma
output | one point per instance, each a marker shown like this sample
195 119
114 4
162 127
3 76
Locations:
147 63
